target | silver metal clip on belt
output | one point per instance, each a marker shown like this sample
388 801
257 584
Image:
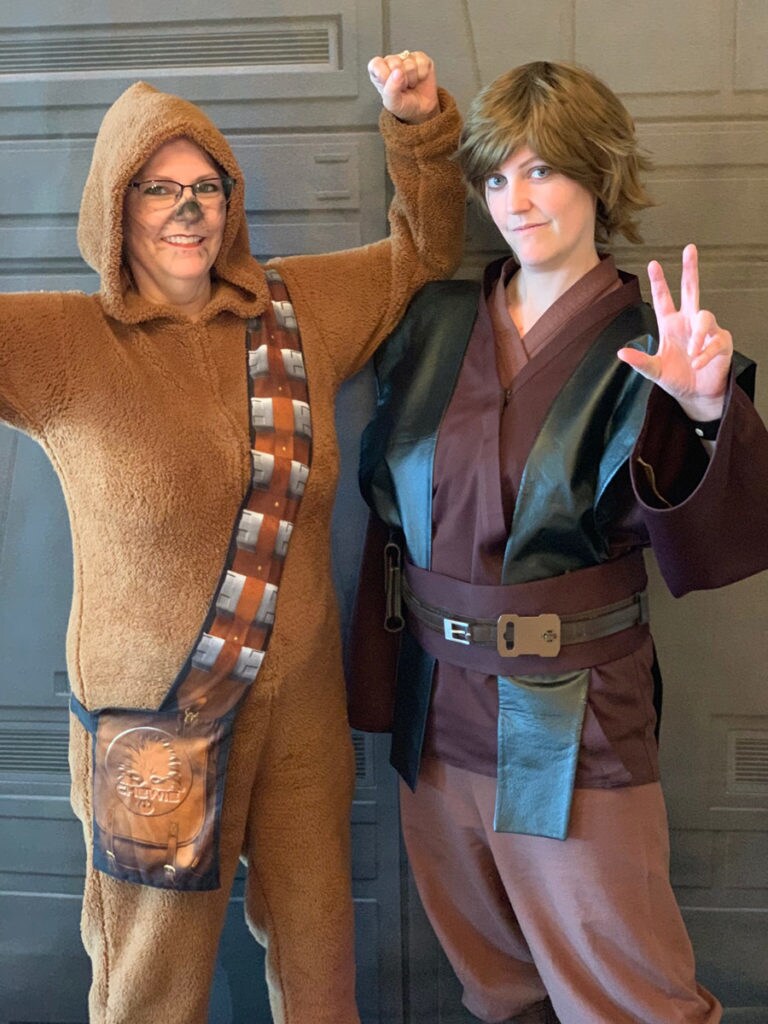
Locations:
515 635
393 577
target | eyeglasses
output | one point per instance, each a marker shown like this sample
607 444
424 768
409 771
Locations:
165 192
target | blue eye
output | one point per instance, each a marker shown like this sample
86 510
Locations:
540 171
495 181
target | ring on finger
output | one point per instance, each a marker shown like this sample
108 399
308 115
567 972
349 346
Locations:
404 54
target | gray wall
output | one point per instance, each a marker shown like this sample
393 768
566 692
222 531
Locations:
286 79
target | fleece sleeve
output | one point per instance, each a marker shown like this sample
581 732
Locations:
707 519
354 298
32 364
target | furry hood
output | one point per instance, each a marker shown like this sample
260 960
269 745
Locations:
137 123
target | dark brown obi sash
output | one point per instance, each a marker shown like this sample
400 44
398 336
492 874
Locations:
607 597
590 616
159 775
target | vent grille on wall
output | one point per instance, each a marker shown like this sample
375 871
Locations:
748 761
113 50
30 750
361 743
358 744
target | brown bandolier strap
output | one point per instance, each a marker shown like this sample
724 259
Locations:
544 634
231 646
159 774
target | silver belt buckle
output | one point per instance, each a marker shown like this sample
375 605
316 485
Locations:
531 634
456 630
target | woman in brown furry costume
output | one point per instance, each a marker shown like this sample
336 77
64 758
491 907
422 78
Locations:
204 629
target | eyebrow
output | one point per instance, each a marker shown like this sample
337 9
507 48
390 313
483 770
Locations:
167 177
534 159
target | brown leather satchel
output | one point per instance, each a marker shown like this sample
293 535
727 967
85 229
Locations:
155 800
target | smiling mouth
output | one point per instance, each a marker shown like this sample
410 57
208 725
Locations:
526 227
187 241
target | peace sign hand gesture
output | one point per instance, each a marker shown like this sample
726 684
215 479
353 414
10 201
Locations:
407 84
694 354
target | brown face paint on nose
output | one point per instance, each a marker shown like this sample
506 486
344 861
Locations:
189 210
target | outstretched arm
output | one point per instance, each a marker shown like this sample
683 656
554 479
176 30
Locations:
694 353
707 518
356 297
34 344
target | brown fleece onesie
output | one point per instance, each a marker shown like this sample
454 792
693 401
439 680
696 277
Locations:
144 416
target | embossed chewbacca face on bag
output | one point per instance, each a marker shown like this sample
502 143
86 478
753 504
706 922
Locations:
148 773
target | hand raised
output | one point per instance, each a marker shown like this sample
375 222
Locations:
407 84
694 354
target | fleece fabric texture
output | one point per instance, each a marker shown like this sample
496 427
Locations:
144 416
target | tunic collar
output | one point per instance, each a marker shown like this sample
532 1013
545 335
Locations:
514 351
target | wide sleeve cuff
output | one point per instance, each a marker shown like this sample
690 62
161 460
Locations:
707 517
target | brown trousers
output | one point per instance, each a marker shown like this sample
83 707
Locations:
591 921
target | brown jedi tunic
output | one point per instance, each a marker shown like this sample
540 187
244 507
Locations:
504 390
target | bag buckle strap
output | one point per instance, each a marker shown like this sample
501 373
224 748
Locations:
528 634
169 867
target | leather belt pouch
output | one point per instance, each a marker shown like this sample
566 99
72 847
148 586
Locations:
158 783
539 731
